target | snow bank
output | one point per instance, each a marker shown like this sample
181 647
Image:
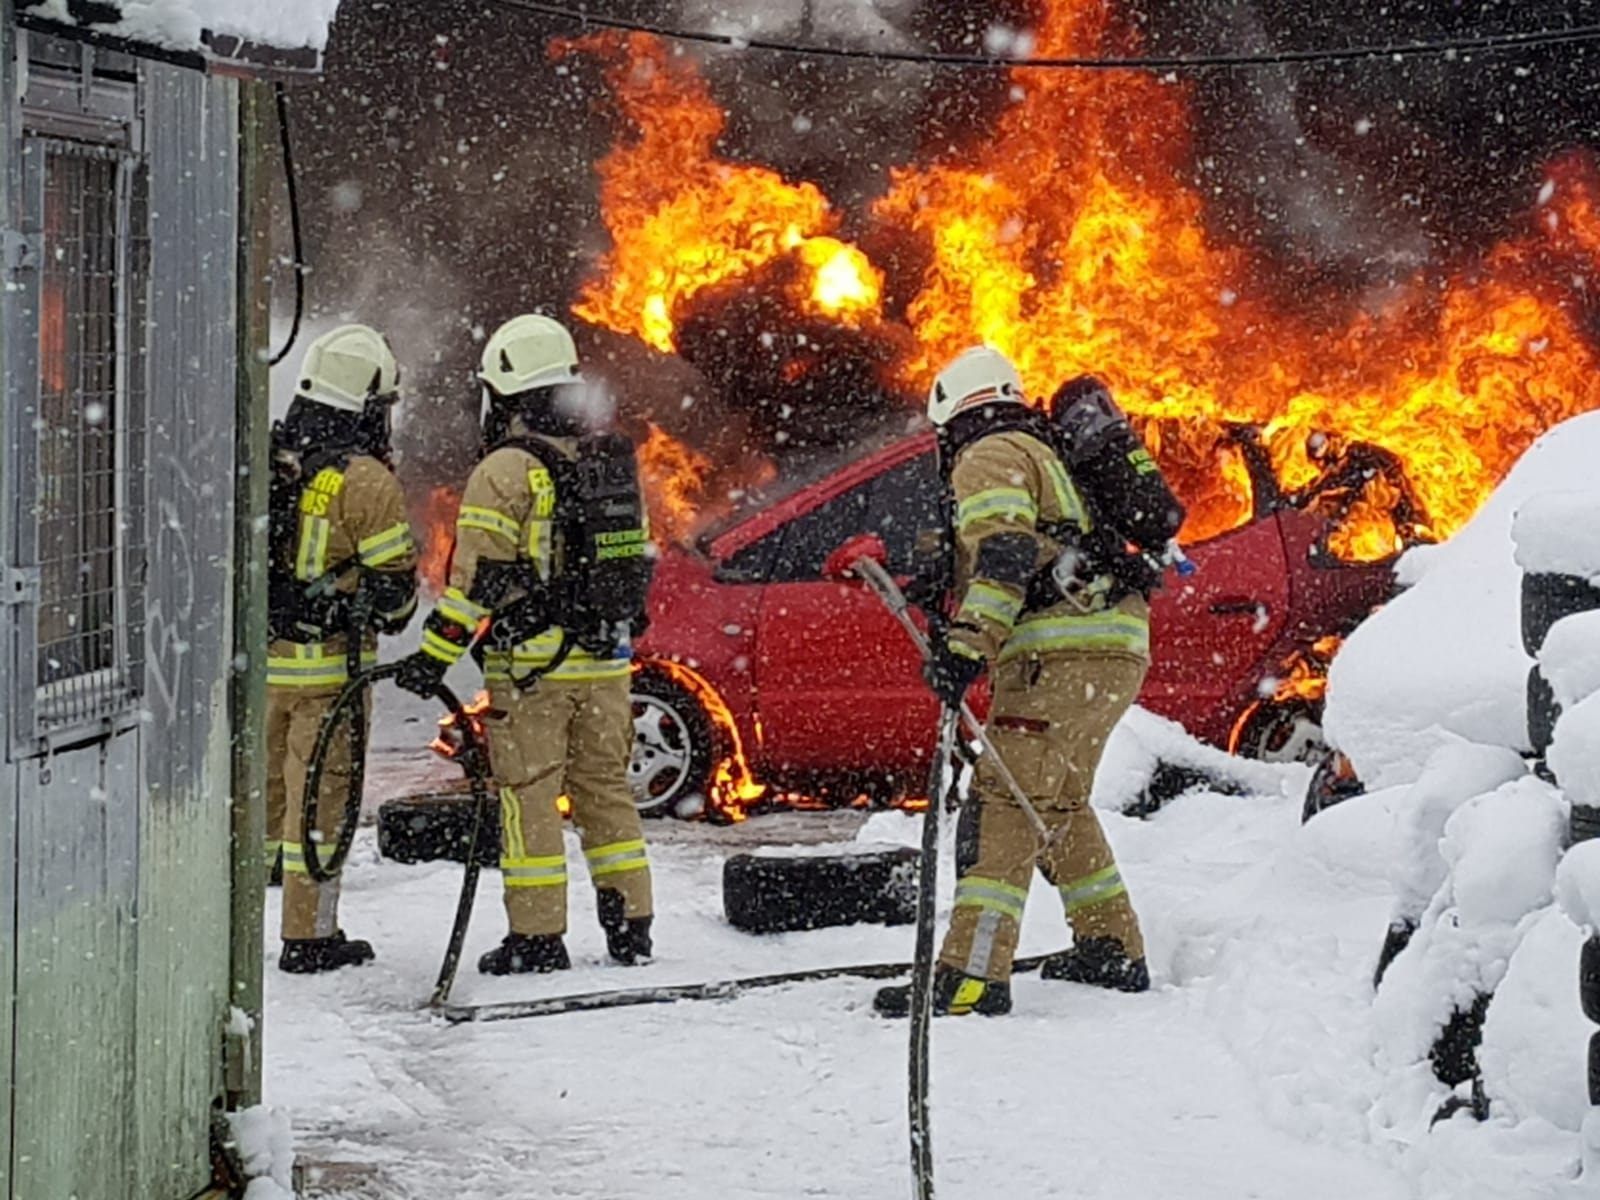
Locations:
1454 775
1534 1037
1578 885
1558 533
1500 851
1570 657
1143 741
1444 660
1574 753
266 1148
289 24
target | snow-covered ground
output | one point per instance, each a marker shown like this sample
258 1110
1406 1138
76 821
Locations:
1250 1070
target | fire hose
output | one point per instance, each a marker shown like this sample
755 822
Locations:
350 708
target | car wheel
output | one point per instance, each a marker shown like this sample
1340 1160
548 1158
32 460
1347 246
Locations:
773 893
1283 731
672 746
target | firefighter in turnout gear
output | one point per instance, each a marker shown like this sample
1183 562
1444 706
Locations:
547 585
341 553
1067 649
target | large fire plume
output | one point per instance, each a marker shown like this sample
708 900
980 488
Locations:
1071 239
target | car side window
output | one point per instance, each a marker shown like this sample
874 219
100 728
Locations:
810 538
903 509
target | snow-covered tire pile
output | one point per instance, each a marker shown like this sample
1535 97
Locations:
765 893
431 828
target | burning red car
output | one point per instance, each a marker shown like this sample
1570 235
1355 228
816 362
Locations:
766 662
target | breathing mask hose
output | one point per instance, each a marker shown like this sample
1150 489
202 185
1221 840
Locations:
474 759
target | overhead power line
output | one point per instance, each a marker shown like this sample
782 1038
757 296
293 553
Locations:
1487 42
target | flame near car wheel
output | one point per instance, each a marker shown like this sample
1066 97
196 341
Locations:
672 746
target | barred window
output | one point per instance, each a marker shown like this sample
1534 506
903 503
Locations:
89 499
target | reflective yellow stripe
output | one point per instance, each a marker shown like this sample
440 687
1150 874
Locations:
549 871
1105 884
405 610
441 648
511 825
543 489
311 560
997 502
387 545
475 516
1067 498
539 545
311 666
272 848
454 606
975 891
1107 631
987 600
617 857
294 859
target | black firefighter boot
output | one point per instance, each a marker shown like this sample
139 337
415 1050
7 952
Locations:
1101 962
627 938
954 995
308 956
519 953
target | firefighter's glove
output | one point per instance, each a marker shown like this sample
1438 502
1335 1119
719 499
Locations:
949 673
421 674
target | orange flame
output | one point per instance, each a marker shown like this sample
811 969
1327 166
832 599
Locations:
734 787
1070 239
673 476
438 520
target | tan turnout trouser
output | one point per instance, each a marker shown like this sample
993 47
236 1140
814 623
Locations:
294 716
1049 721
573 738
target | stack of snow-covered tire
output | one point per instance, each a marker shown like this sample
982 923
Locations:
1557 538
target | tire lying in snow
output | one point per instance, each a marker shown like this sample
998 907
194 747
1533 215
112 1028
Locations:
437 827
764 893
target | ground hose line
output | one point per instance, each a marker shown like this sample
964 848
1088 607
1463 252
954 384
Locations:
349 707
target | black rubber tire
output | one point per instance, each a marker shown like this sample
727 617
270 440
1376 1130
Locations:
684 729
1455 1051
1395 939
435 828
1594 1069
772 894
1330 786
1543 712
1283 731
1548 598
1589 978
1584 823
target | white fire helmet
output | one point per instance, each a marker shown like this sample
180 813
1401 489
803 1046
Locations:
980 375
528 352
347 366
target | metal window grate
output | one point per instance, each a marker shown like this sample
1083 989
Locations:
90 450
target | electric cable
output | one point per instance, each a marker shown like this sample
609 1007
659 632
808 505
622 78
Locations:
282 98
1489 42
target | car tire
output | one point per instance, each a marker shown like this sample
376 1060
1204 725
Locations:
1283 731
673 746
434 828
1543 712
765 893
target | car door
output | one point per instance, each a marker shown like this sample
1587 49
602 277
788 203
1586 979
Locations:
838 682
1211 631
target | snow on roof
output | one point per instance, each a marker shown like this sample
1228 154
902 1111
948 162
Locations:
190 25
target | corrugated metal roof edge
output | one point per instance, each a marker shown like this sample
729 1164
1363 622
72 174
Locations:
224 54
